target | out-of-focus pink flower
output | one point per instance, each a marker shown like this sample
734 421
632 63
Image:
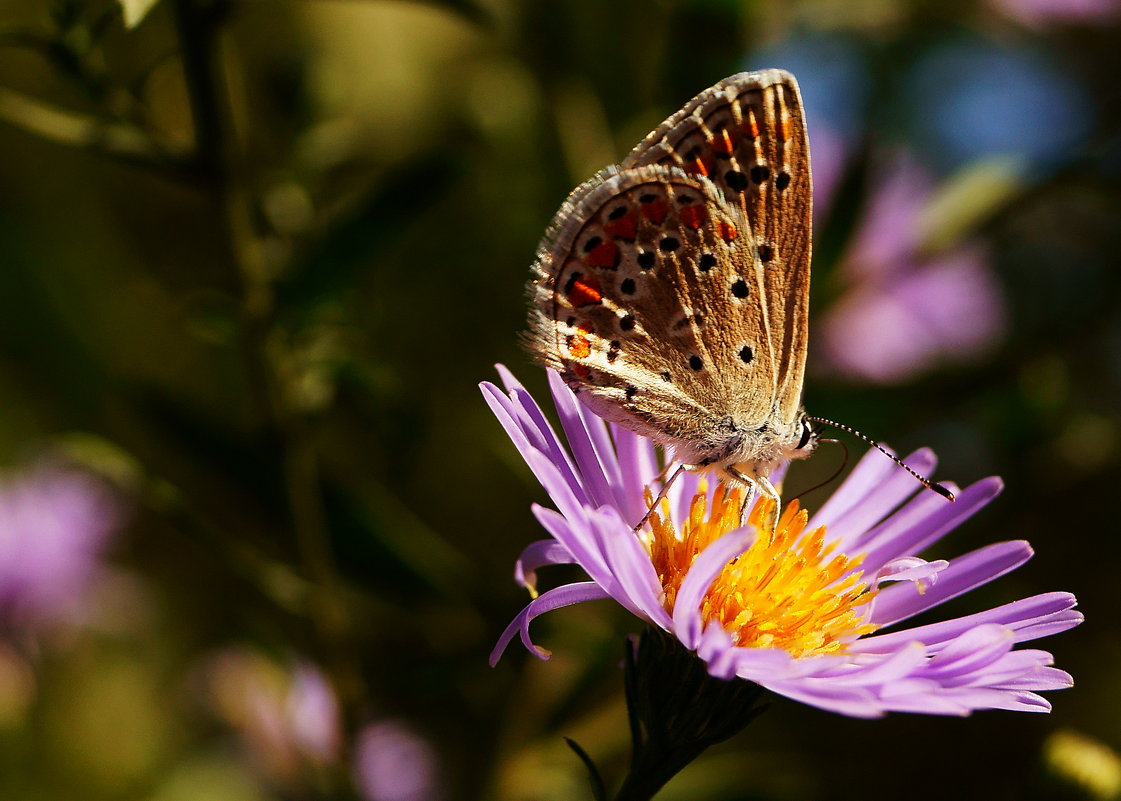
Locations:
393 763
55 521
905 313
1039 13
286 715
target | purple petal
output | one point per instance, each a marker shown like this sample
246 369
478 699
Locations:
638 466
910 568
630 564
901 601
566 595
605 452
1023 617
868 474
588 462
895 667
923 522
895 488
716 649
685 486
536 555
704 570
923 697
578 540
524 435
855 702
978 647
1041 680
569 503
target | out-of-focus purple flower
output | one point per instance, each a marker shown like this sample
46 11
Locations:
287 716
949 309
55 521
904 312
1039 13
798 609
393 763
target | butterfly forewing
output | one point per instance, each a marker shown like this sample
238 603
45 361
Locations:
672 291
632 294
747 135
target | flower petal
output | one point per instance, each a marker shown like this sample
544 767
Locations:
923 522
896 486
629 564
566 595
901 601
638 466
592 470
536 555
1030 618
706 567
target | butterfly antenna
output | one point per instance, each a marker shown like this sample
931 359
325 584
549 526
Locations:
926 482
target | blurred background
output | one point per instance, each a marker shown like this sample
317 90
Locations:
257 527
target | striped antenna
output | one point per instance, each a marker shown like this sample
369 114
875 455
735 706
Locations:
926 482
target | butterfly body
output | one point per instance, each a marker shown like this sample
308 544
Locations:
671 292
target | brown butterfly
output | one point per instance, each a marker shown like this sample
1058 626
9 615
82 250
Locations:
671 292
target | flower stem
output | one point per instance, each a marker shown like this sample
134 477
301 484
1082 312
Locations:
221 167
676 711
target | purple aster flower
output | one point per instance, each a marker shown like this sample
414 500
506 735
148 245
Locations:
940 308
54 523
800 609
286 715
393 763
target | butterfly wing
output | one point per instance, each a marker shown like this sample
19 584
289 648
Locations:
747 135
647 299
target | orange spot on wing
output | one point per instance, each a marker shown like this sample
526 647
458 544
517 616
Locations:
606 254
585 292
722 143
579 345
752 126
693 216
697 166
655 211
785 129
625 227
727 231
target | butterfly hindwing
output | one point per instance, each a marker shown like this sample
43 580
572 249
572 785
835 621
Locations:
647 299
747 135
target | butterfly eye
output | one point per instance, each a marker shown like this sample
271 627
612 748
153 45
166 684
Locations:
807 434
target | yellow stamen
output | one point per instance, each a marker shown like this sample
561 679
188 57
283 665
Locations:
787 590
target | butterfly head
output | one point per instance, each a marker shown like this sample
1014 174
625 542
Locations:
807 441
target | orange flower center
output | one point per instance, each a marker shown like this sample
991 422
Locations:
788 590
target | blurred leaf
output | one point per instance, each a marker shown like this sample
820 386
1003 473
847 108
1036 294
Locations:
211 777
967 199
135 11
468 9
354 243
599 791
83 131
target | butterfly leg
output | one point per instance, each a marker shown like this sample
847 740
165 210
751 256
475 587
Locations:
764 486
661 495
769 490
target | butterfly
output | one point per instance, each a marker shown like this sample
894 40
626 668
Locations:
671 292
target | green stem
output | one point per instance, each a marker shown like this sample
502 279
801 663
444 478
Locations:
221 167
677 710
